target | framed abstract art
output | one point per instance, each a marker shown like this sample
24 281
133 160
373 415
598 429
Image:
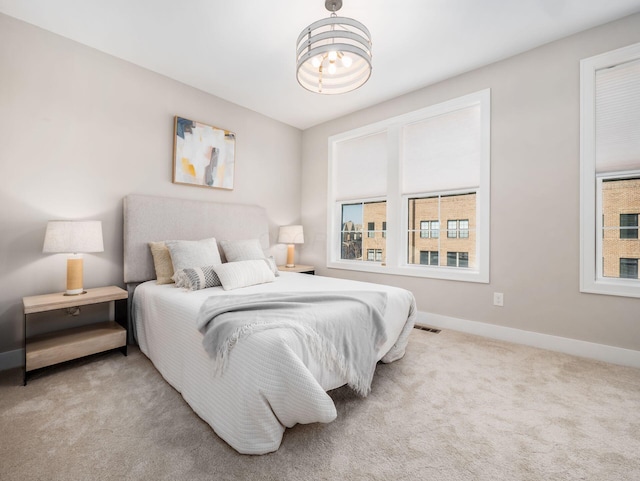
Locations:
203 155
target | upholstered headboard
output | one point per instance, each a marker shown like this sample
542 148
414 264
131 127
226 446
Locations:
151 219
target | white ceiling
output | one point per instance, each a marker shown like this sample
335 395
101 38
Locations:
244 50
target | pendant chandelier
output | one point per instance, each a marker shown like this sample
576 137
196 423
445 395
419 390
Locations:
334 54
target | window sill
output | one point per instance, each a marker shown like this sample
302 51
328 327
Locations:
442 272
612 287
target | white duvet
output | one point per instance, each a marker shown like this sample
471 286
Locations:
271 381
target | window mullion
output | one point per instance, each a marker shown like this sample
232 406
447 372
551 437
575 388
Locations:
395 218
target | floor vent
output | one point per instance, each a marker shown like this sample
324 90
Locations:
428 329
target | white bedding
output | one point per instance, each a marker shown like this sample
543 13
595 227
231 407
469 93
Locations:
271 381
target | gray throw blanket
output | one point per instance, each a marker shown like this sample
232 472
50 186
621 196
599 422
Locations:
343 330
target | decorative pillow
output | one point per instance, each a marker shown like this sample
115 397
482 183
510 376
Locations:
162 262
186 254
234 275
195 278
242 250
247 250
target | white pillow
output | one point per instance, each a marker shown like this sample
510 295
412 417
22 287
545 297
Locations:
247 250
186 254
242 250
234 275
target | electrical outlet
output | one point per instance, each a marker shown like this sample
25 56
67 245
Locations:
498 299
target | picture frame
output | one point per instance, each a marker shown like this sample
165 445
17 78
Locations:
203 155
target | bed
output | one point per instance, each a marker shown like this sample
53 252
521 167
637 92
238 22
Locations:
271 379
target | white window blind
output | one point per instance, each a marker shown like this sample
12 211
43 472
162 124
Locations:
617 117
361 167
443 152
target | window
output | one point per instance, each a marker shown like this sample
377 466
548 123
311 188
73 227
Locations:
353 242
429 229
419 167
610 172
429 258
452 229
458 232
371 227
628 268
458 229
435 229
463 231
628 226
374 255
424 229
457 259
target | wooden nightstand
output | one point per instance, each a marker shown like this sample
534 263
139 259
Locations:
298 268
64 345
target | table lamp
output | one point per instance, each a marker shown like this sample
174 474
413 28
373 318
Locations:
73 238
291 235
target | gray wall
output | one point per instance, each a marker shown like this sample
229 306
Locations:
79 130
534 196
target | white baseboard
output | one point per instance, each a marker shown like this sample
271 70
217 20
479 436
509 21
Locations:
601 352
11 359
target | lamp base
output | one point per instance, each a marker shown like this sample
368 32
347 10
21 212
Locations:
74 275
290 255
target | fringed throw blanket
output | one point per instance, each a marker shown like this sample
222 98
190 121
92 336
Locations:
343 330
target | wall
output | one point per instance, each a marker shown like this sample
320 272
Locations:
535 162
79 130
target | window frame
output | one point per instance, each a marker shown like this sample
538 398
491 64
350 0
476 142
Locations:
397 201
591 228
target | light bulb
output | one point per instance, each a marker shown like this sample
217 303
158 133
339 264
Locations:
333 56
316 61
332 68
347 61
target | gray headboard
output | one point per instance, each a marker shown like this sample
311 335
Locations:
151 219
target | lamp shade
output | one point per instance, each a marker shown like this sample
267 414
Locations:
68 236
291 234
333 54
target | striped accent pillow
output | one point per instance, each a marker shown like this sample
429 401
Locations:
196 278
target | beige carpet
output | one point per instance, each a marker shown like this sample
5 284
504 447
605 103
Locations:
457 407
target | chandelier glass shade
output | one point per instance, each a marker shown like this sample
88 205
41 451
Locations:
334 54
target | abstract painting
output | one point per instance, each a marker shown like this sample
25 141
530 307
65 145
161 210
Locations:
203 155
